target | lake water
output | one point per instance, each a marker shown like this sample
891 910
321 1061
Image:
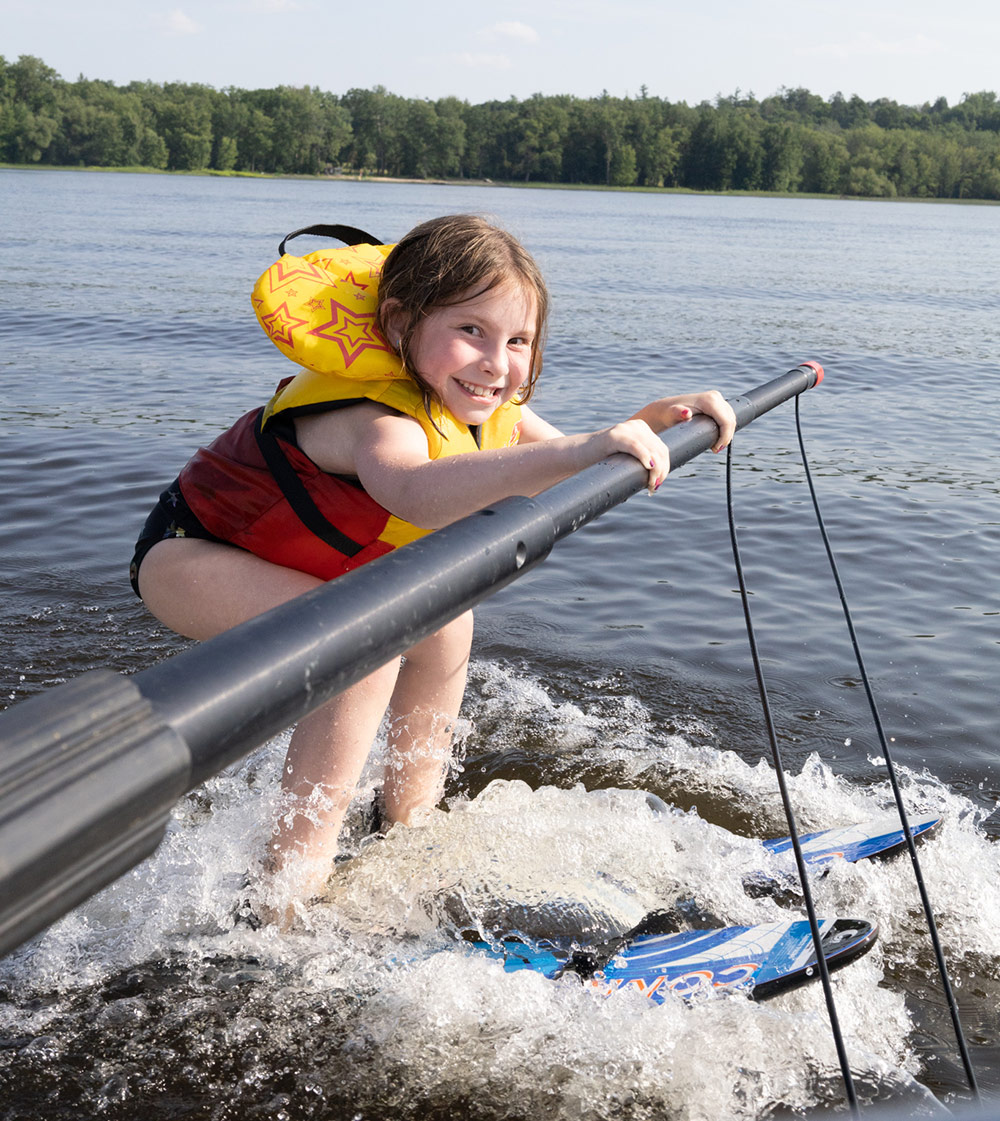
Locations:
621 664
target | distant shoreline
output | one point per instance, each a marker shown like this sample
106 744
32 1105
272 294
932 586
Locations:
512 184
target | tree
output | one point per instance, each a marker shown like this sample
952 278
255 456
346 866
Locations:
976 111
624 168
796 105
595 142
849 114
152 150
791 141
783 157
661 157
825 161
419 124
710 159
618 156
868 183
448 144
492 134
543 123
743 135
376 118
310 129
656 141
29 121
183 114
245 117
102 126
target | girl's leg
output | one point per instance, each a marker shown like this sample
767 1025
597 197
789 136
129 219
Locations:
330 746
326 756
201 588
424 708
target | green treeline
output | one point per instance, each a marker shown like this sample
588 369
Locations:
793 141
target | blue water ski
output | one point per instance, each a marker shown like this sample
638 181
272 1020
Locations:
882 837
758 960
763 960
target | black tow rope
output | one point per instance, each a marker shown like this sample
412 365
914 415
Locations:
932 930
823 970
779 768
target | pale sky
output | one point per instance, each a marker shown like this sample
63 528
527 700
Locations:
909 50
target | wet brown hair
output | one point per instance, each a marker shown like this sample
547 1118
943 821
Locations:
449 260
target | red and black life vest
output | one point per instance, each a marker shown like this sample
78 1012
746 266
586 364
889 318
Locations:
254 487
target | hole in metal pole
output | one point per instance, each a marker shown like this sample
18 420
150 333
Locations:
521 554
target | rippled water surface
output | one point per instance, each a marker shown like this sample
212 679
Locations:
617 668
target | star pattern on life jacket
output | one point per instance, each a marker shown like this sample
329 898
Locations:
363 260
350 278
354 332
280 324
288 268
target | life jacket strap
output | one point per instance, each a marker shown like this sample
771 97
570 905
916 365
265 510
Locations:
349 235
298 498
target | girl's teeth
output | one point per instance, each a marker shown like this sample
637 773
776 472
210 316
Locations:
476 390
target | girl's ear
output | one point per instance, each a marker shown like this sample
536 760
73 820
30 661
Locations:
392 322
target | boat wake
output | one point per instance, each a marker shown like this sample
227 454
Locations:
153 999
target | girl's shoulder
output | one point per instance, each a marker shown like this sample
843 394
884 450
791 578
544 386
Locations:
331 439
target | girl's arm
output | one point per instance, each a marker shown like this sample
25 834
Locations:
390 459
659 415
388 453
534 429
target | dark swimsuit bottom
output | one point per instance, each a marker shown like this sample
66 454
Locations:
170 517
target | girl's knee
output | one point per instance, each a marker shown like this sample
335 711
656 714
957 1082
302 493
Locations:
456 639
451 643
459 631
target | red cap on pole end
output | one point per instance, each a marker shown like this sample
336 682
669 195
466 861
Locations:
819 371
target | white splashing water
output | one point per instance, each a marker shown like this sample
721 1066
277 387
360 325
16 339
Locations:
374 1000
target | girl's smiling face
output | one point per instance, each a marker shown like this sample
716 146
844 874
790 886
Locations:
475 355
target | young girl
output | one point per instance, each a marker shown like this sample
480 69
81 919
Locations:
343 466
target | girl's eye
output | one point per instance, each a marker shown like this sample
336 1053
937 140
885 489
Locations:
469 329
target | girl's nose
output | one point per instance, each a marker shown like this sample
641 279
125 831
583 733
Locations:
494 359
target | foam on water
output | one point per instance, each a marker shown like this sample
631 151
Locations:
372 1001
